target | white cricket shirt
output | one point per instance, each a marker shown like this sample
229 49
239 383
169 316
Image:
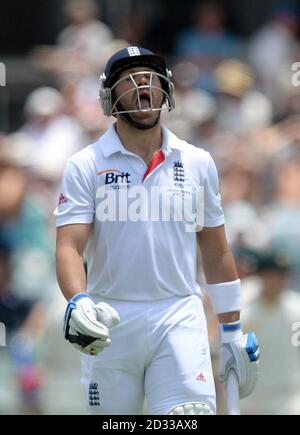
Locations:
140 248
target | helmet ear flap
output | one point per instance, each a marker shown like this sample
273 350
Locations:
105 99
105 96
171 96
171 89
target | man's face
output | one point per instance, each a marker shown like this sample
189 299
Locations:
135 94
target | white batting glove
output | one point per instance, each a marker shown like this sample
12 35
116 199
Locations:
86 324
241 353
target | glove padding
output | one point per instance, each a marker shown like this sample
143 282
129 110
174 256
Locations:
86 324
241 355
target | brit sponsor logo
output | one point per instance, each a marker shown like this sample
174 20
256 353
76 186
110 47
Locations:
115 177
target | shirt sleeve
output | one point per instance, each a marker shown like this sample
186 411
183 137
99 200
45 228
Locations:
76 202
213 210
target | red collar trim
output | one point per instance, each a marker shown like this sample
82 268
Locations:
157 159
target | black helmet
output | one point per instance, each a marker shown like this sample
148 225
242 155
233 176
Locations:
129 58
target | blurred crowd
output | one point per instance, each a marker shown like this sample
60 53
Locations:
235 98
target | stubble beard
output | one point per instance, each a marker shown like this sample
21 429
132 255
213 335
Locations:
136 124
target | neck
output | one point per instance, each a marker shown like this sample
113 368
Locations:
144 143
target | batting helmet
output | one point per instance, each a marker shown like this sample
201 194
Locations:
129 58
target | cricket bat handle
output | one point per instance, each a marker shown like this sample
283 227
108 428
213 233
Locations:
233 399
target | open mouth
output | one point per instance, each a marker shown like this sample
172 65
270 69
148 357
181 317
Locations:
145 101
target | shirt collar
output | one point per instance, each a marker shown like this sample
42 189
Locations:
112 144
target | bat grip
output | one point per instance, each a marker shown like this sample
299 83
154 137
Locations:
233 399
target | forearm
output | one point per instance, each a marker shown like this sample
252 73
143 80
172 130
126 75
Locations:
70 271
219 267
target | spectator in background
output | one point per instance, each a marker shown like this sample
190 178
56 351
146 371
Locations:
13 310
51 135
26 200
62 392
207 42
13 185
20 316
32 381
134 26
272 51
80 96
86 36
194 107
81 46
272 316
246 261
240 106
282 216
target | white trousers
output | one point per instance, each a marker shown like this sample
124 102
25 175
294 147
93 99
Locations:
159 351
